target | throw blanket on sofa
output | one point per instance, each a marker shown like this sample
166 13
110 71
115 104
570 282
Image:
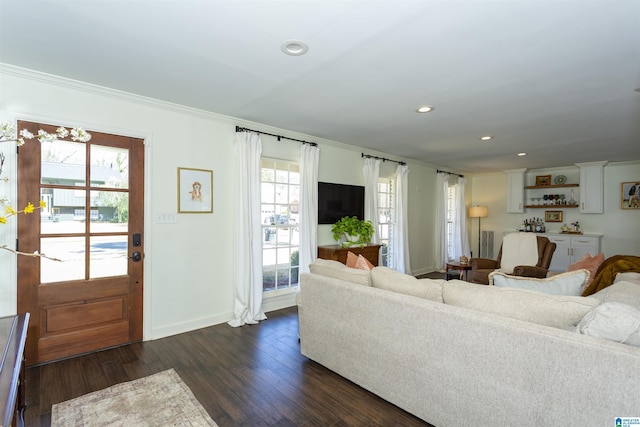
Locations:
518 249
608 269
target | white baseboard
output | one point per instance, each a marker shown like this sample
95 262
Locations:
192 325
278 302
423 271
270 303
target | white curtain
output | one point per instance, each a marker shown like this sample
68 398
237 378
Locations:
371 172
441 220
400 235
309 156
247 259
461 238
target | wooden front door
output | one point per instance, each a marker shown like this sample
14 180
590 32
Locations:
90 298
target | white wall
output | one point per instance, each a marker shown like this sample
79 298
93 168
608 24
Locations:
188 265
620 227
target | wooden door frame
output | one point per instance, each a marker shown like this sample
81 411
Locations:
145 297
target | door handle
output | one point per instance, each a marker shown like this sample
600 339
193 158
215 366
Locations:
136 257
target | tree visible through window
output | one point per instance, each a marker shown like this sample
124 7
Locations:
386 218
280 201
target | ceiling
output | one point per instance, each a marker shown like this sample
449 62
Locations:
555 79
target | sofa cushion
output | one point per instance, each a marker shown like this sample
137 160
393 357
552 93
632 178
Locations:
392 280
628 276
623 292
612 321
337 270
537 307
590 263
570 283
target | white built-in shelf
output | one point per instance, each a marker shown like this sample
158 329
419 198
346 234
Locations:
550 207
531 187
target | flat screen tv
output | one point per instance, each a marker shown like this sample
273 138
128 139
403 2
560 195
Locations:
338 200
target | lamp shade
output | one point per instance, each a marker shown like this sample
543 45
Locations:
478 212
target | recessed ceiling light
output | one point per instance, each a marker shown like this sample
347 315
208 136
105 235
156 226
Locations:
425 109
294 47
522 154
486 138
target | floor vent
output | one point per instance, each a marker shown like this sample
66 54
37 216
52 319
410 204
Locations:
486 245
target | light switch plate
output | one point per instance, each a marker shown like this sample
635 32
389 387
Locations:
166 218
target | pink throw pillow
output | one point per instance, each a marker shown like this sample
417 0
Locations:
358 261
363 263
590 263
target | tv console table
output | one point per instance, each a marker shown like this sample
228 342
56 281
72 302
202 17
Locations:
13 335
338 253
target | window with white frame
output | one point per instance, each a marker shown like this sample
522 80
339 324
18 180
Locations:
280 201
386 217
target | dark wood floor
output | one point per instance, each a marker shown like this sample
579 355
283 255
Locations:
248 376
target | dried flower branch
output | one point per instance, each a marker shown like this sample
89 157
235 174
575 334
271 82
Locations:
8 132
34 254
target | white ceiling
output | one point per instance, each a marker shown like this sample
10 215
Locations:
555 79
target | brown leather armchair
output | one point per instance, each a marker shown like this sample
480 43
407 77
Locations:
481 267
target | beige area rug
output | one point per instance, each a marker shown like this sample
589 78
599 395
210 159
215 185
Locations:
161 399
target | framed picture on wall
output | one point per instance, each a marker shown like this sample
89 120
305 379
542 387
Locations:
630 197
553 216
543 180
195 190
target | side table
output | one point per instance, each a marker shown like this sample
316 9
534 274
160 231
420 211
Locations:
462 268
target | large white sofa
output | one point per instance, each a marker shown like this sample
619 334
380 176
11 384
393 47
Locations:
439 351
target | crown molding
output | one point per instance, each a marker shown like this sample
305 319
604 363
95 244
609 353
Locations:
65 82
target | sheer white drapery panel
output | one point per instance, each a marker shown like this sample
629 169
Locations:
309 158
441 220
461 237
247 260
401 259
371 172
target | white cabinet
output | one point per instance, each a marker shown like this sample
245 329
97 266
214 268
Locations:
571 248
592 187
515 190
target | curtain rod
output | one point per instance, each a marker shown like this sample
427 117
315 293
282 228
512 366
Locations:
382 158
451 173
241 129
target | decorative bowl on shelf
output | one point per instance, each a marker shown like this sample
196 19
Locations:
560 179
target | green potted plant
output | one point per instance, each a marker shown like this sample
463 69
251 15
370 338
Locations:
355 231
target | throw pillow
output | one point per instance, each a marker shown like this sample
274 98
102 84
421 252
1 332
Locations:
364 264
337 270
557 311
352 259
392 280
358 261
570 283
590 263
612 321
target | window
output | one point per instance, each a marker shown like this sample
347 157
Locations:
280 199
386 217
451 216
